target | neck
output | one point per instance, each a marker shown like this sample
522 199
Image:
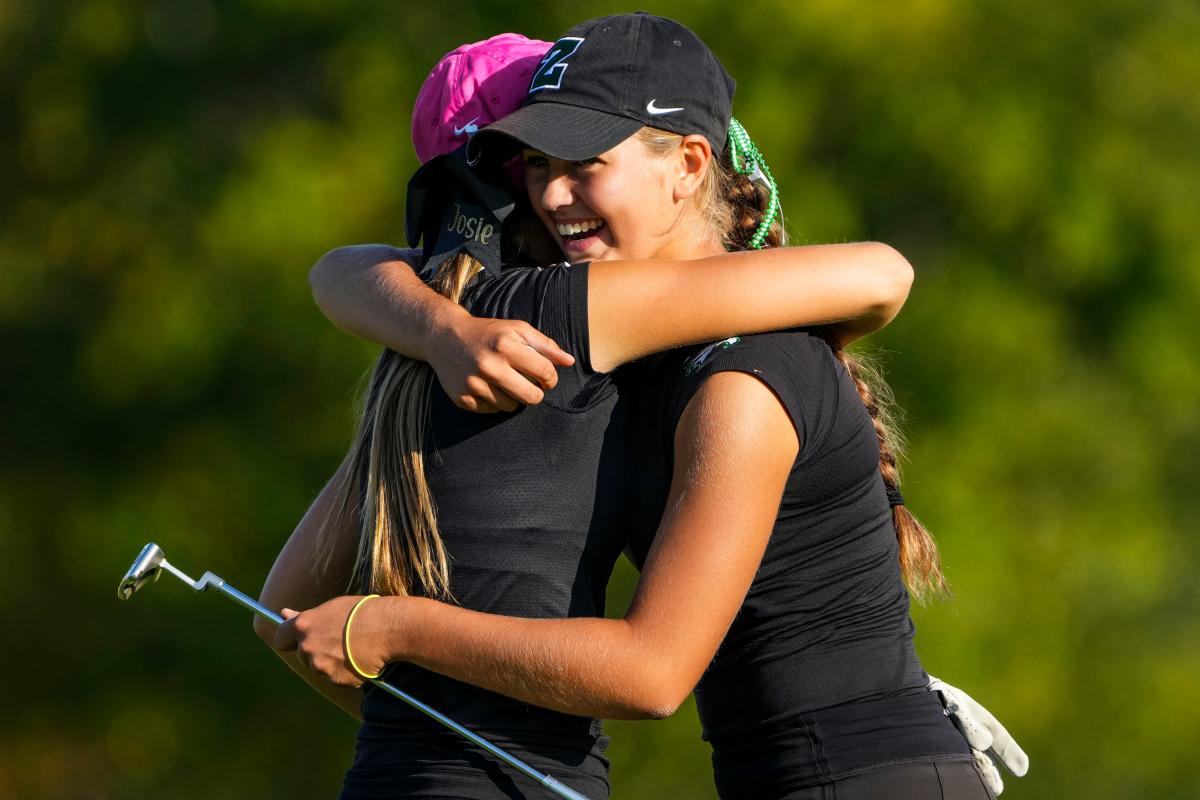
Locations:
695 241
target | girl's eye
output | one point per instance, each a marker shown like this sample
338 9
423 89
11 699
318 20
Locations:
587 162
535 161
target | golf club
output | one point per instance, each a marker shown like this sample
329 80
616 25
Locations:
151 562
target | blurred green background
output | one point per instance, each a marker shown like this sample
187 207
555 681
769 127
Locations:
171 169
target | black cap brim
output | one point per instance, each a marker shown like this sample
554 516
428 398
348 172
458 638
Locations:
452 208
572 133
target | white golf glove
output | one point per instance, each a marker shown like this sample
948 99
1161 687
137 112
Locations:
989 740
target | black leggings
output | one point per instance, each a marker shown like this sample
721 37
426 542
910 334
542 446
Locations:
916 780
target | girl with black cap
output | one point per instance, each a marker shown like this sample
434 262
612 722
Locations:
397 521
819 660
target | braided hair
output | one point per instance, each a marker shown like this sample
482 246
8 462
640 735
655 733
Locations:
742 199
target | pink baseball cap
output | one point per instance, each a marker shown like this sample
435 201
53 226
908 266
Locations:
471 87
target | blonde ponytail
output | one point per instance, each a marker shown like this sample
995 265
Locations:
384 494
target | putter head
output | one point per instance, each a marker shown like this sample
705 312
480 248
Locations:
146 568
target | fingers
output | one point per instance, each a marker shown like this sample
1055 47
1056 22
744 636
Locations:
502 365
328 668
546 346
309 651
503 401
987 771
1002 744
534 369
488 395
1005 748
470 403
973 727
981 728
970 717
512 384
285 634
517 368
499 387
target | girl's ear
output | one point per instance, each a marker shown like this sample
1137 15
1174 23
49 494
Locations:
692 161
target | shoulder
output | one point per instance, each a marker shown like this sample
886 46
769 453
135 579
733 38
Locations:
796 367
736 419
521 290
795 352
524 274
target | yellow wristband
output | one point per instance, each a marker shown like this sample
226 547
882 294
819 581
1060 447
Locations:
346 642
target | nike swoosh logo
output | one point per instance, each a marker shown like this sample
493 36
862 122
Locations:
470 128
653 109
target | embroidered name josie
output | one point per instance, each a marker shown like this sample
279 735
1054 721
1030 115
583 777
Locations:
470 227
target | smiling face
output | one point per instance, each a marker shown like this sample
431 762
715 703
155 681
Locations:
627 203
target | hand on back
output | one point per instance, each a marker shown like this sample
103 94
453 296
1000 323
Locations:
490 365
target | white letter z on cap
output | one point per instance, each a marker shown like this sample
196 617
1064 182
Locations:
550 72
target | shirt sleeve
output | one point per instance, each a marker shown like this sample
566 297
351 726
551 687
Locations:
800 369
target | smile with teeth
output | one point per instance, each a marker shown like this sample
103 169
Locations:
576 228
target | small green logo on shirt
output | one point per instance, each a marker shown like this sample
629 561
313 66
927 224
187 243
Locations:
690 368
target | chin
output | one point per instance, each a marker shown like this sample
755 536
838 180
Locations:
595 253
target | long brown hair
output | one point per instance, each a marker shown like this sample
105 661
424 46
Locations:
383 492
733 203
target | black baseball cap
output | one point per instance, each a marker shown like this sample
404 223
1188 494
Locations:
607 78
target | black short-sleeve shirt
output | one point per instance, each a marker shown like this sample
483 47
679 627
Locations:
824 632
532 509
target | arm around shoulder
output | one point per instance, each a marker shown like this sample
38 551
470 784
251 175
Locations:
886 281
640 307
371 291
484 365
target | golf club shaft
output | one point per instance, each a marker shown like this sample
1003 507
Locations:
246 601
550 783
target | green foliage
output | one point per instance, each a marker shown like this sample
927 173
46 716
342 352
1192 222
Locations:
171 168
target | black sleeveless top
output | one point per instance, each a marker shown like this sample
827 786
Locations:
817 677
532 508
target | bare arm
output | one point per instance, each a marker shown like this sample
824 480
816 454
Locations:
640 307
296 582
484 365
735 446
634 307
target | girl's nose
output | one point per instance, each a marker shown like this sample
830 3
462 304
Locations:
558 191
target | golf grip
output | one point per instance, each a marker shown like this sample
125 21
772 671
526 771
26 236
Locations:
545 780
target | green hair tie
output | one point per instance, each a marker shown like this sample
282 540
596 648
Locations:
747 160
